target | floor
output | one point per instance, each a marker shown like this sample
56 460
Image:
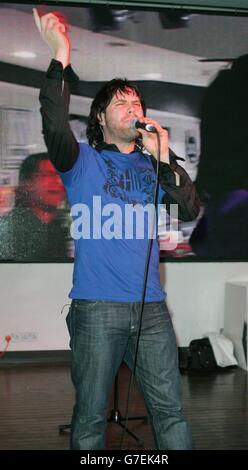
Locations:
36 399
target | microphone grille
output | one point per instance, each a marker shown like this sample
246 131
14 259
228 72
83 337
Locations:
133 123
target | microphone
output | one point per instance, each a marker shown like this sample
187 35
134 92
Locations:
136 124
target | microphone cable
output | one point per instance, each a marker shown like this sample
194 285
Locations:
147 263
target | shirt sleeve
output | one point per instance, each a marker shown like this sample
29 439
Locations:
179 189
63 149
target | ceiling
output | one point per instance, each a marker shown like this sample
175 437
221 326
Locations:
141 49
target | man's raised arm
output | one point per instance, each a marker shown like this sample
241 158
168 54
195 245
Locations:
63 149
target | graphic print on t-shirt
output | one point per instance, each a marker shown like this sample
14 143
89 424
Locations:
130 184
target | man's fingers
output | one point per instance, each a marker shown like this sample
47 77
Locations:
62 20
51 22
60 16
37 19
62 28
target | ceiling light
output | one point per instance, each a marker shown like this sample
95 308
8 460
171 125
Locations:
153 76
173 19
24 54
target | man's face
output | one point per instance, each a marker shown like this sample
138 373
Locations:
45 187
118 115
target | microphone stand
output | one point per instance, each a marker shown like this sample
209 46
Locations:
115 417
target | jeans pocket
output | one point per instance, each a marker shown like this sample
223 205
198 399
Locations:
68 320
84 305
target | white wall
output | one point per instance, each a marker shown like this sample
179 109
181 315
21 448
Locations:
32 296
196 295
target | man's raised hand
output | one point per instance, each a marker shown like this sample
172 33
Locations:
53 29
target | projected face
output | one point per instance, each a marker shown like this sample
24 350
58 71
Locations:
45 186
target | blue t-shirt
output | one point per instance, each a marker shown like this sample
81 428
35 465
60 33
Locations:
109 194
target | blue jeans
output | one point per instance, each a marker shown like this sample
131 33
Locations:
102 335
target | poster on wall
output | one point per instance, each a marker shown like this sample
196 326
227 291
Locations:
174 59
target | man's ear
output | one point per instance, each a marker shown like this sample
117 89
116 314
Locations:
101 119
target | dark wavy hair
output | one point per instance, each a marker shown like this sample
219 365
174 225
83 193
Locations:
102 100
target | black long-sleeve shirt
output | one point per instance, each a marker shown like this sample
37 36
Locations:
63 148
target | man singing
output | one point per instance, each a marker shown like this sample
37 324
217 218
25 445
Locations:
115 171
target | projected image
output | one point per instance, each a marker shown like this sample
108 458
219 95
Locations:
185 66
